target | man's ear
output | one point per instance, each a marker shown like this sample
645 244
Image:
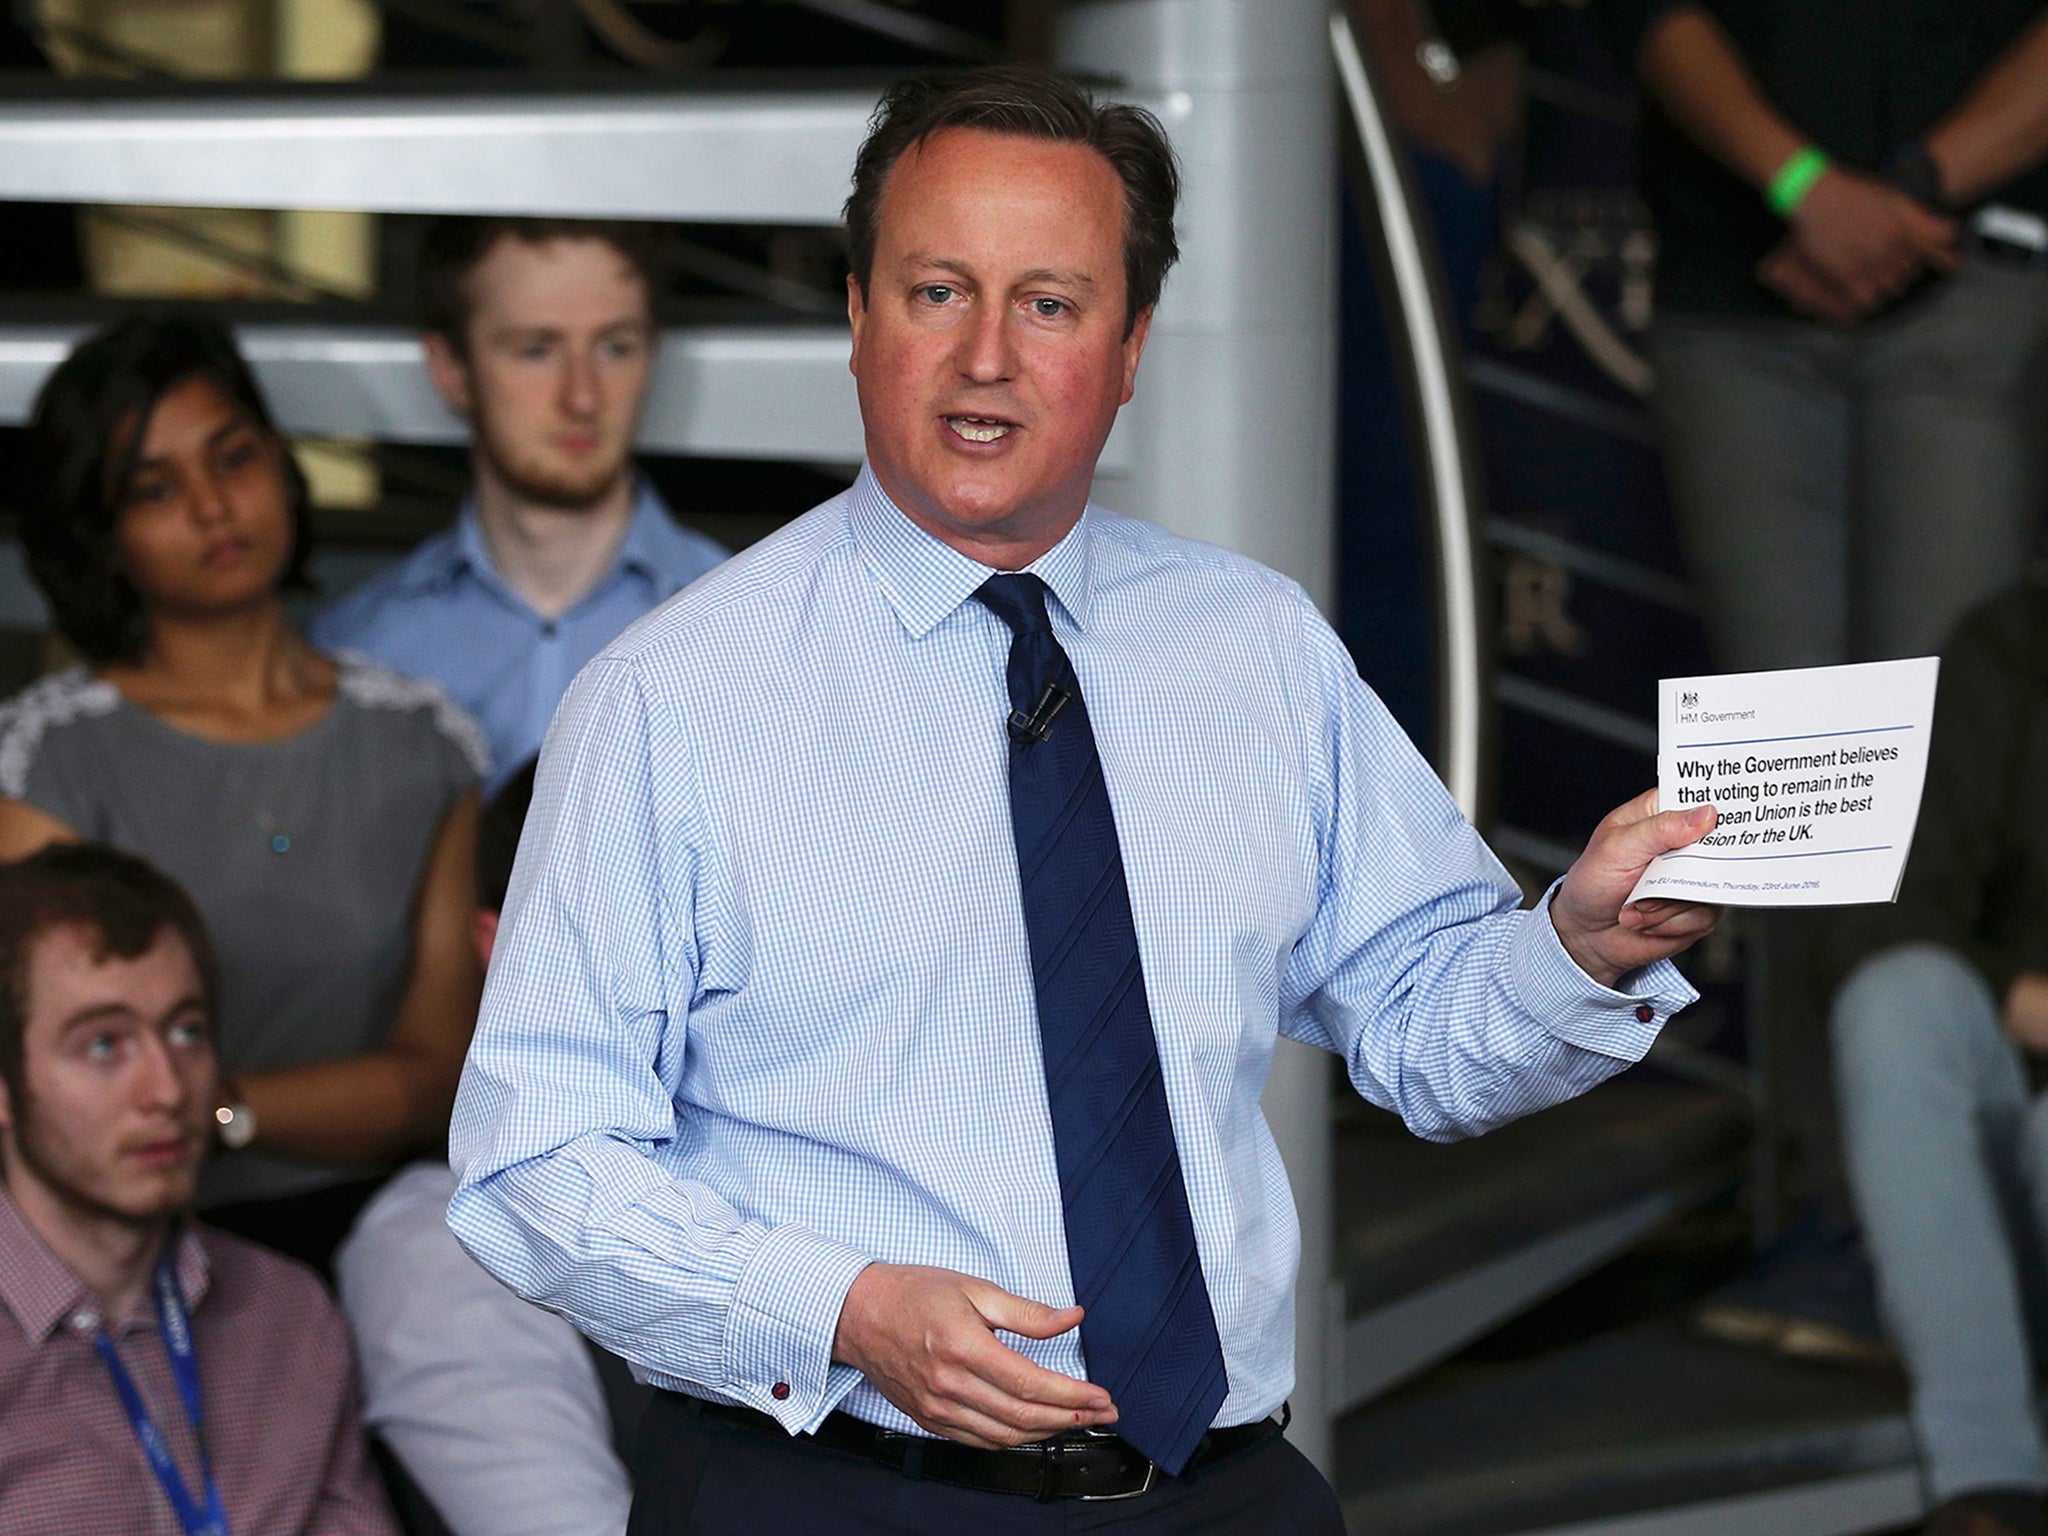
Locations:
856 319
1134 347
450 373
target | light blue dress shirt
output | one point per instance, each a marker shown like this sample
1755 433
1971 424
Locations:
761 1007
444 613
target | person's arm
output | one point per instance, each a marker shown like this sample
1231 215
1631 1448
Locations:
1691 65
1862 237
1449 1005
387 1101
1465 120
566 1125
2000 130
24 830
2026 1012
492 1405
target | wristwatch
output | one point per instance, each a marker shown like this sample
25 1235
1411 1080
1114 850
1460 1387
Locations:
1438 62
234 1125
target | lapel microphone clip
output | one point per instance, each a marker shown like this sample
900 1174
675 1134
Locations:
1036 726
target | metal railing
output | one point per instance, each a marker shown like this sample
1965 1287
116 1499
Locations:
1428 360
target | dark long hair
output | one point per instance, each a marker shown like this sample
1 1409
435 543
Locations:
85 439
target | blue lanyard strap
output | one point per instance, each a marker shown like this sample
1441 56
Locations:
175 1326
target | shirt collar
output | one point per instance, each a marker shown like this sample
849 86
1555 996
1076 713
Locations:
925 578
641 551
650 537
43 1294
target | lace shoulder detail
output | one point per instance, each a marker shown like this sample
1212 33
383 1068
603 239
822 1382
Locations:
370 685
30 715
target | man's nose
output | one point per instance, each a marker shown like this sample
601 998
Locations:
160 1082
987 354
579 392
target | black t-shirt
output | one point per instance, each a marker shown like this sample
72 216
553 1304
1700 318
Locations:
1856 76
1469 25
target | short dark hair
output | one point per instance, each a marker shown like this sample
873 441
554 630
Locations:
451 249
126 902
84 440
497 837
1034 104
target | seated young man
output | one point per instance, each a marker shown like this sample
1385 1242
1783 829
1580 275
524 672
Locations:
541 334
155 1375
505 1417
1940 1036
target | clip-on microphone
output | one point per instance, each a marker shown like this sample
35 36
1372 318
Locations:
1036 726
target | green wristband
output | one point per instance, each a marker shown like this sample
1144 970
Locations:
1795 179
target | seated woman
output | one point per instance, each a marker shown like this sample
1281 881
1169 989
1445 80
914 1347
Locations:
321 811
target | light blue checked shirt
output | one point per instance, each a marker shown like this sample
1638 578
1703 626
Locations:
761 1008
445 614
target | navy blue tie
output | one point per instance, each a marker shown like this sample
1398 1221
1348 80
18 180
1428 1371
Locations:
1149 1333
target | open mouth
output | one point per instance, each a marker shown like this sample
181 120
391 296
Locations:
980 429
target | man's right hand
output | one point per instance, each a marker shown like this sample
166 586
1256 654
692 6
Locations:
1871 240
926 1339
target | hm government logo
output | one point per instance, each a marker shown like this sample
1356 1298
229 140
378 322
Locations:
1688 706
1689 700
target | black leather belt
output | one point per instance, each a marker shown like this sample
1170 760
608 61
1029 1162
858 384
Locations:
1080 1465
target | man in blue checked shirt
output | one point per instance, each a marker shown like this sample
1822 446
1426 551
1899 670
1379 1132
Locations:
873 1047
540 334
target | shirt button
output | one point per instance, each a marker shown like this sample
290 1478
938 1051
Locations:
547 631
1645 1014
780 1391
85 1320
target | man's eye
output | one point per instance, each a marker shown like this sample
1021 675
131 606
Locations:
1049 309
936 293
102 1048
622 349
188 1037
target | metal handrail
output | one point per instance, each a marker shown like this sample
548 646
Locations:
1428 357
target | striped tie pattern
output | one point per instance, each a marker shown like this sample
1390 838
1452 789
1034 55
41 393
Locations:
1148 1333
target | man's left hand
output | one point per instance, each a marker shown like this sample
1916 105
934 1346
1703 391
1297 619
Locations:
1793 275
1606 938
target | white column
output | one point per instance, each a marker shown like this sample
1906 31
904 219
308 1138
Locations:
1231 435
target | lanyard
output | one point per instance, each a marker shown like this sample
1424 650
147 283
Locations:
175 1326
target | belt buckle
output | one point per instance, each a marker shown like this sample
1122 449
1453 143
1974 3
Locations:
1151 1476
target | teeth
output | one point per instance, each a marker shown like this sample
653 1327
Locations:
976 431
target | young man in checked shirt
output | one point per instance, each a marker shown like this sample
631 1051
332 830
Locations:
157 1378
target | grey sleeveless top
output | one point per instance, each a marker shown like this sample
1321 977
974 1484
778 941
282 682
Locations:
304 855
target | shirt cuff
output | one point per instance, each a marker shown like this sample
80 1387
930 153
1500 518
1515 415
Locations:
1579 1010
779 1332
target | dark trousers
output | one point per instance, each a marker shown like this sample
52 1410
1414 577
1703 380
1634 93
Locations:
697 1475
